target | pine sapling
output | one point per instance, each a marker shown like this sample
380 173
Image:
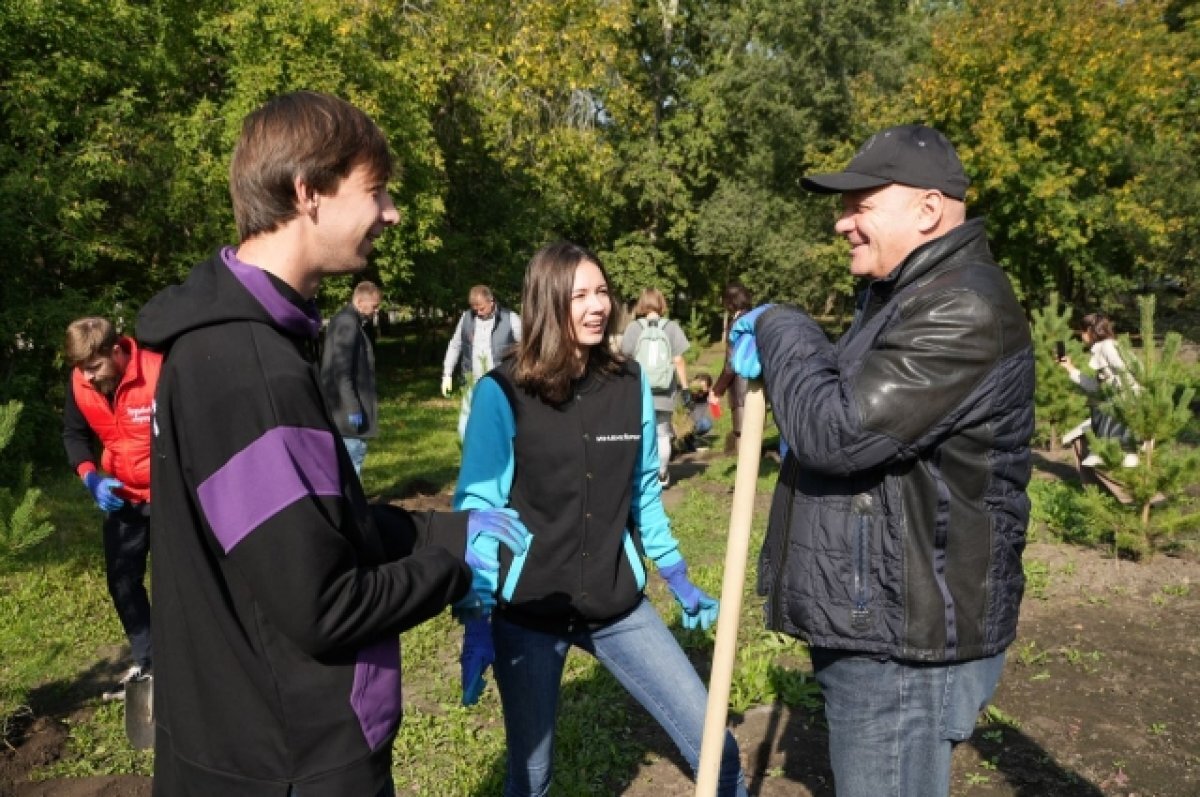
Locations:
1155 404
1058 404
23 522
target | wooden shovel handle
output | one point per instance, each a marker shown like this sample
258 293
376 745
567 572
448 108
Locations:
754 415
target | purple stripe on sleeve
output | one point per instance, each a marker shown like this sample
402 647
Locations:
375 696
287 315
276 470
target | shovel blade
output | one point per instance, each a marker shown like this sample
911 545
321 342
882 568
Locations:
139 712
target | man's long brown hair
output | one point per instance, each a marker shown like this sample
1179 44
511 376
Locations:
545 362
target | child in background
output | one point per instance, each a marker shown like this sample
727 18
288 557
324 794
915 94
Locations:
703 407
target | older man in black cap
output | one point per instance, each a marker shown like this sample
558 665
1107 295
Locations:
896 531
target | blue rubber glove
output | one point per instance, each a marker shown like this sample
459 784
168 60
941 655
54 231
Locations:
487 530
355 419
478 654
743 358
501 525
699 609
102 491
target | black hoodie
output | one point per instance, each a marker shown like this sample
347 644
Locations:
278 593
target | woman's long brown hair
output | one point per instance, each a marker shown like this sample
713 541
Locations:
545 364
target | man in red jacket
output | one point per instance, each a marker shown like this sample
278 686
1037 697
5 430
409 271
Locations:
110 398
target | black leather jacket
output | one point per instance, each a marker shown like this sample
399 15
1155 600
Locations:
899 518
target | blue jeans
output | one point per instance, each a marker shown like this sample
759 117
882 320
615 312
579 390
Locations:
126 534
357 449
640 652
893 725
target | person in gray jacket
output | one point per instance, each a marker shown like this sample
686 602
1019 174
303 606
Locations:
484 334
348 372
897 527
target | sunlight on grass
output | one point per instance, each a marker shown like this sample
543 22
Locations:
60 635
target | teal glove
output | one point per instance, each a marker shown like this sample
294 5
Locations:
699 609
478 653
102 491
743 357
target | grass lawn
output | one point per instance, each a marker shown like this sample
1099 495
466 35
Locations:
61 640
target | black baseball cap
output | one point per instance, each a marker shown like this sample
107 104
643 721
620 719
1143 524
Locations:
913 155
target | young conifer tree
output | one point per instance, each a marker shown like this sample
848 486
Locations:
1058 404
1155 404
23 523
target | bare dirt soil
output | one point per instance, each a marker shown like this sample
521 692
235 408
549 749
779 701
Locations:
1100 698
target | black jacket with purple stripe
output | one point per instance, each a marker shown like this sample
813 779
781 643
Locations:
278 593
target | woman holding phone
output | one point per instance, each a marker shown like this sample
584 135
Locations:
1109 369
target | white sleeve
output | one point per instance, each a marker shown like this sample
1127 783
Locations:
454 350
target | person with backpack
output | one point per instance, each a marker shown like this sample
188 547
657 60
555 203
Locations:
563 433
658 344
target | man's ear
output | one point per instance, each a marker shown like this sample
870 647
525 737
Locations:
931 205
306 197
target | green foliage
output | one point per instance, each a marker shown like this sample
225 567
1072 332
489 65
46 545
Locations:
1037 578
695 329
56 616
1072 116
23 521
1056 507
746 97
1113 524
634 263
1156 405
1154 402
1058 404
667 136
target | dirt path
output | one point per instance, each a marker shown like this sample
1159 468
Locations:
1101 685
1100 698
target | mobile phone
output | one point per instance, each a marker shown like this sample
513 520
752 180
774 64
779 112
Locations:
1060 350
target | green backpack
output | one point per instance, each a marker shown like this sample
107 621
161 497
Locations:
653 354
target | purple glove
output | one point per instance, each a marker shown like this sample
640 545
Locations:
478 654
487 530
699 609
102 491
499 525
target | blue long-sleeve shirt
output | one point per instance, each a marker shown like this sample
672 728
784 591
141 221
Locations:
583 476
